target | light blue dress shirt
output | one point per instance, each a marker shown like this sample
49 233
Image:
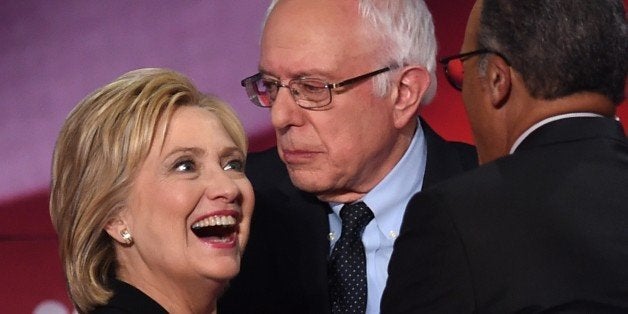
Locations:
387 200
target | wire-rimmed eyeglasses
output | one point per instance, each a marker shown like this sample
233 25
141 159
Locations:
308 93
454 70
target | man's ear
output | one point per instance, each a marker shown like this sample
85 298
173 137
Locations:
498 78
413 84
118 229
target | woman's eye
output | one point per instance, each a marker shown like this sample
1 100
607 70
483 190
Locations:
185 166
235 164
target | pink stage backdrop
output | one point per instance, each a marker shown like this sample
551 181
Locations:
54 53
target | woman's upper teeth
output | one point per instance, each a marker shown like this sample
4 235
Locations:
215 221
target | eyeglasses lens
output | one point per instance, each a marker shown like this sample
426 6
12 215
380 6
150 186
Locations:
455 72
311 92
259 92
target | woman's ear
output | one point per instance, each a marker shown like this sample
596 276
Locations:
413 84
118 230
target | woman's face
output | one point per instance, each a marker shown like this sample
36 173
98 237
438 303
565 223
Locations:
190 205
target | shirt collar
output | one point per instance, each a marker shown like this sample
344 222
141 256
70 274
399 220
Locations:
548 120
388 199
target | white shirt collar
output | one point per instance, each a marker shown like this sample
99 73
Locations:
548 120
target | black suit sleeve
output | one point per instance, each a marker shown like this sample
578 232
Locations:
428 270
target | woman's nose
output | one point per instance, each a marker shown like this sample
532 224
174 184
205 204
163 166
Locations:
222 186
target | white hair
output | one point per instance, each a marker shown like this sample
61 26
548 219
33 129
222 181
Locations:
405 30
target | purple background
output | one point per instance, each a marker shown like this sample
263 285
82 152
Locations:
53 53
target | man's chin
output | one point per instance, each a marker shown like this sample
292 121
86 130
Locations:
307 180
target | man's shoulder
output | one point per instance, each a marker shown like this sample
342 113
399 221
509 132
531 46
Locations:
445 159
466 152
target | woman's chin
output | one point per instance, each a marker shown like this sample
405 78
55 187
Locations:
223 269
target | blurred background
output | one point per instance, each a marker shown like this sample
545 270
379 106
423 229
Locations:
53 53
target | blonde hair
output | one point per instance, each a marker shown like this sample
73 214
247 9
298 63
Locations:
100 147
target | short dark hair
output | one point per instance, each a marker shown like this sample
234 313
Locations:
560 47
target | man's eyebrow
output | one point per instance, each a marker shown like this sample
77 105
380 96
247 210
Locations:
312 73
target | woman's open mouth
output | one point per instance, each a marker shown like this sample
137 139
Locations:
219 230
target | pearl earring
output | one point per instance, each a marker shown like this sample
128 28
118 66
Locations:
126 235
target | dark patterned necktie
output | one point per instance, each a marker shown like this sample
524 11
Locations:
347 263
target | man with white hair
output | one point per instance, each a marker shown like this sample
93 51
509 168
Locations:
344 82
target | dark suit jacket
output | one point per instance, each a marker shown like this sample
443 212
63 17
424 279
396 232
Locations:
544 229
284 268
128 300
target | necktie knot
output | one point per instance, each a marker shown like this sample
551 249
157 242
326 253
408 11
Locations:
355 217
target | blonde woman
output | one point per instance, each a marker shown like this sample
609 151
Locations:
149 197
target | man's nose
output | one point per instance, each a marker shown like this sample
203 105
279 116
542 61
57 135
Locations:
285 112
